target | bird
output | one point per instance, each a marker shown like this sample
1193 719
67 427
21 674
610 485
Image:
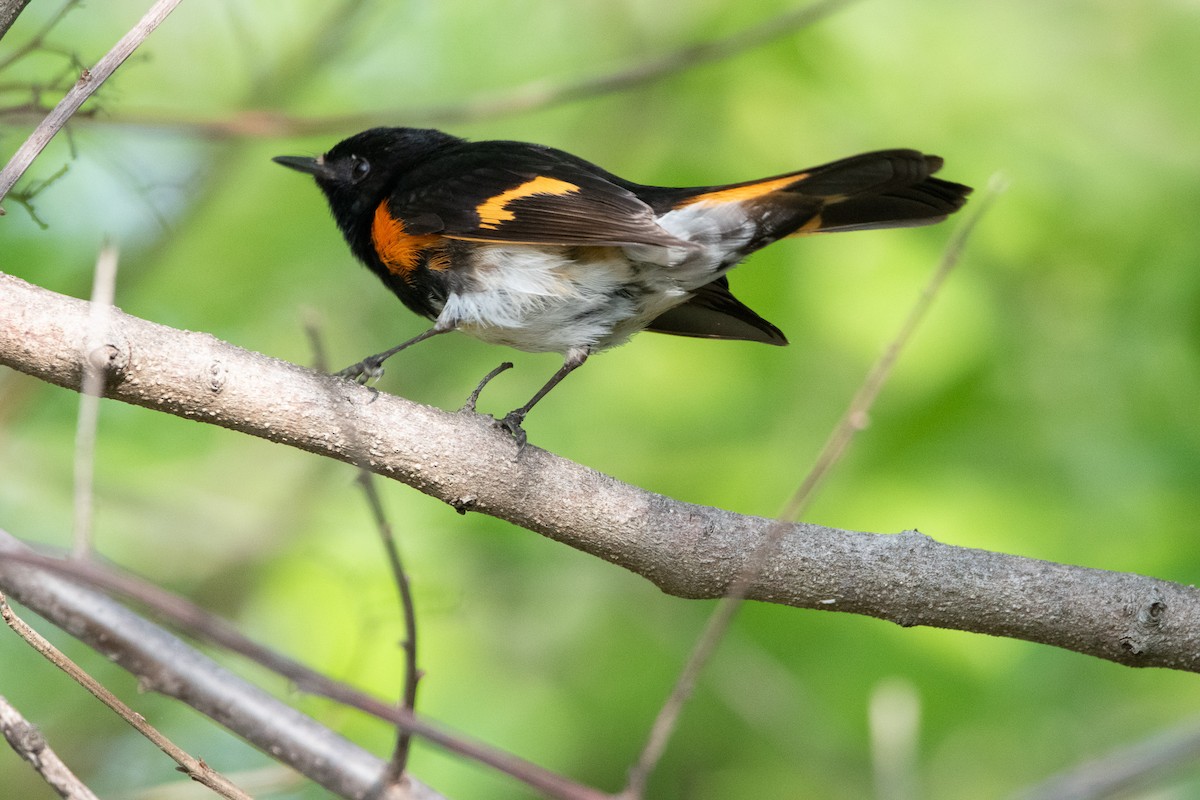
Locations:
528 246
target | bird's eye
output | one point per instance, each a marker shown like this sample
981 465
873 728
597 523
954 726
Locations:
359 168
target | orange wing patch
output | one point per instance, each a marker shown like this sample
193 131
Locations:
747 191
401 252
494 210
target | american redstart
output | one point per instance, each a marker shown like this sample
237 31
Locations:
534 248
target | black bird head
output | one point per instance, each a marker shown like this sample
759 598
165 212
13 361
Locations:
359 172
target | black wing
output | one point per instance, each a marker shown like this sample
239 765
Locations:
520 193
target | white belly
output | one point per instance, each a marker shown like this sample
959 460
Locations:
531 298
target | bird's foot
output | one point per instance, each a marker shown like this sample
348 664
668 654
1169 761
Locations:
369 369
512 423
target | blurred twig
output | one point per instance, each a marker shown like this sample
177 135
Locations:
412 673
88 83
159 662
193 767
532 96
163 663
270 781
894 722
9 9
96 360
853 420
24 196
1118 773
28 742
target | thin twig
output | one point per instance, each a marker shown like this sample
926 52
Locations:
857 413
533 96
541 94
312 330
894 723
206 627
165 664
38 40
24 196
195 768
412 673
88 83
273 780
1124 770
852 421
96 360
28 742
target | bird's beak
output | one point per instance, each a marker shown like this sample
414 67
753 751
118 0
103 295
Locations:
310 166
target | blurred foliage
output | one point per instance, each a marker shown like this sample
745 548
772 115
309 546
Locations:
1048 407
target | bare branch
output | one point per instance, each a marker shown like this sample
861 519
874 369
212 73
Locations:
893 719
193 767
28 742
685 549
165 664
1124 770
88 83
408 611
9 10
95 358
110 635
532 96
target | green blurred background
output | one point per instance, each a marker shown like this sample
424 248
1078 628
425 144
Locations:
1048 407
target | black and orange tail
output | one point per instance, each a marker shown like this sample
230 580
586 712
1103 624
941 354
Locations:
884 189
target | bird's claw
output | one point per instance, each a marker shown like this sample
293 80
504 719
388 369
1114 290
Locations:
512 423
363 372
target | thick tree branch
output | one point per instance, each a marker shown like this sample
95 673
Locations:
687 550
165 664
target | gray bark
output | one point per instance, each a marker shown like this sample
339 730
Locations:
687 550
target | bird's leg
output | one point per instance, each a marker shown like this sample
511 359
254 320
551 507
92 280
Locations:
512 421
371 367
469 406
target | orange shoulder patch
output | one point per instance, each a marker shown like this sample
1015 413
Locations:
494 210
400 252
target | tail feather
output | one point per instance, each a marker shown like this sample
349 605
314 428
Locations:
883 189
868 173
926 203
